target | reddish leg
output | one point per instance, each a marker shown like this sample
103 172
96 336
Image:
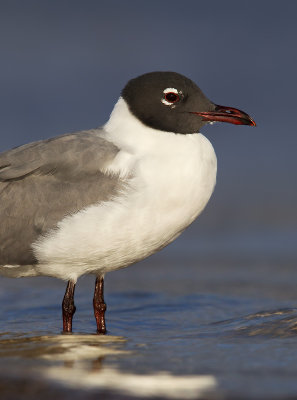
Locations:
68 307
99 305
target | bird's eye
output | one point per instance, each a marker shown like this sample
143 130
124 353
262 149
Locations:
171 96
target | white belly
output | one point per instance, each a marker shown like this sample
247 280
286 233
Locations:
170 188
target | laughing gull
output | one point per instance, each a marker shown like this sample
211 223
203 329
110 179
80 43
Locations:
95 201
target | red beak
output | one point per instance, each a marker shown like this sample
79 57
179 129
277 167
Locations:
227 114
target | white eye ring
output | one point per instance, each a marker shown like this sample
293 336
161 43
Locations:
170 90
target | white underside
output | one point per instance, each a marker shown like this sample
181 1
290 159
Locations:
173 178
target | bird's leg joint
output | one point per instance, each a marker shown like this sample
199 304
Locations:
68 307
99 305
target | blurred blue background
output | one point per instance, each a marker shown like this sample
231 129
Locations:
63 64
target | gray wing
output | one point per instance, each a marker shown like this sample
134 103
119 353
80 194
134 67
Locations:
44 181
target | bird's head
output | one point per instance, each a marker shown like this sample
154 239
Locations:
171 102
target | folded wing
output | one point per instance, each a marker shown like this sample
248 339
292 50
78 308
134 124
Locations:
42 182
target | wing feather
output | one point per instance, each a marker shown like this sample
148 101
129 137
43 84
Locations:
42 182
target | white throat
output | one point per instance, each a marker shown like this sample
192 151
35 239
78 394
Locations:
127 131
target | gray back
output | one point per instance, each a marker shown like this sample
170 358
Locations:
42 182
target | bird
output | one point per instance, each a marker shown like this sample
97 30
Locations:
99 200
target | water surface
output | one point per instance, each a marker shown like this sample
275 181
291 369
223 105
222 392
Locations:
178 327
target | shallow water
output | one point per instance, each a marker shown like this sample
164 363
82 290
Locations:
180 327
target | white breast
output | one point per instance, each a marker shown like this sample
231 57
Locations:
173 178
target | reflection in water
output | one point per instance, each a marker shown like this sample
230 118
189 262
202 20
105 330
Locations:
61 347
77 361
162 385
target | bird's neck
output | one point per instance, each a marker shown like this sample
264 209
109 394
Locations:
128 132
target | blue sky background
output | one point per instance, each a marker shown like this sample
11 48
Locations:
63 64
